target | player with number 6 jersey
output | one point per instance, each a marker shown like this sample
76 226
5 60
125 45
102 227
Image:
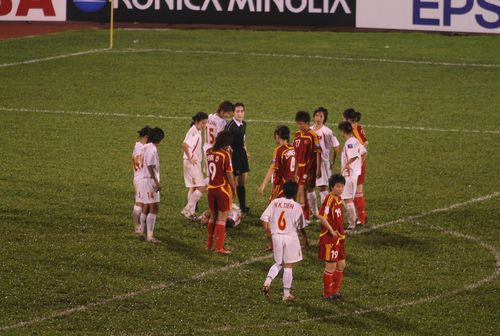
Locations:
284 217
332 238
221 190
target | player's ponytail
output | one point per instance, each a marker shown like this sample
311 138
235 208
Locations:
198 117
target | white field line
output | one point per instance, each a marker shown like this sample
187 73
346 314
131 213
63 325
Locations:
122 297
423 300
157 116
38 60
248 262
319 57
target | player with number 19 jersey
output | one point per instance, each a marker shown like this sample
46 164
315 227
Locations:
220 193
331 248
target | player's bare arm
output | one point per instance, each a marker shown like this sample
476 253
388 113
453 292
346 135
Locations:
336 152
230 178
187 151
151 170
318 164
266 180
325 223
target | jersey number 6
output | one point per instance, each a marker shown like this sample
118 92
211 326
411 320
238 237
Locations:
282 221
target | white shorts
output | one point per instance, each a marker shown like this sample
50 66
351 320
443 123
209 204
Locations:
326 172
193 176
350 187
286 248
146 191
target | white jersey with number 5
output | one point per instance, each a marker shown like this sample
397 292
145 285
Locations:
284 216
215 125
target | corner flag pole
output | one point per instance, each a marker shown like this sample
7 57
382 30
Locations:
111 24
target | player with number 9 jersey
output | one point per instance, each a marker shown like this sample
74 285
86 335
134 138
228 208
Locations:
220 194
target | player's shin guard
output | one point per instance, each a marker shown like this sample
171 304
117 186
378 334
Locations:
359 202
142 220
313 202
193 199
327 284
136 216
287 281
150 222
337 281
220 235
242 196
210 234
324 194
273 272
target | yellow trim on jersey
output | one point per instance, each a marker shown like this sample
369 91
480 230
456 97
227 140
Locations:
358 136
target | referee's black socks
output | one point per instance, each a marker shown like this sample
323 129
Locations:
240 190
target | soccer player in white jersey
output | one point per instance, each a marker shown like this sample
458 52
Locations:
216 123
328 141
137 162
193 175
352 157
149 187
284 217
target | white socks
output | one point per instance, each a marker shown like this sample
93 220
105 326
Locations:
324 195
194 197
351 214
287 281
150 221
189 195
273 272
313 203
136 216
142 221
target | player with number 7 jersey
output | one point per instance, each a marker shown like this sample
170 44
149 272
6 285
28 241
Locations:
221 190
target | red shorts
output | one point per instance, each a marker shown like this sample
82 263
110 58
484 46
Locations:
220 199
277 192
361 178
332 252
307 176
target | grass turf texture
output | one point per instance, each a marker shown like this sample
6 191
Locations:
66 187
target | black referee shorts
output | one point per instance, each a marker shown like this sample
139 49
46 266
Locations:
240 162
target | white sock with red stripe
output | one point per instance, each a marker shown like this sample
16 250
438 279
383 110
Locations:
313 202
273 272
193 199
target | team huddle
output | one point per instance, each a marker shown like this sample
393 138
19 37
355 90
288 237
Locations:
296 170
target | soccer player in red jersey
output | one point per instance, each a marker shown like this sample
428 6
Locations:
221 190
358 131
308 156
282 169
332 238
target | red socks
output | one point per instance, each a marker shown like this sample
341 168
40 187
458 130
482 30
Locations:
327 284
220 235
210 234
337 280
360 204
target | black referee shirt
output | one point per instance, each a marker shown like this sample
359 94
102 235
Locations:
238 133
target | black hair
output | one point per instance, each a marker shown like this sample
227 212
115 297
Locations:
303 116
334 179
224 139
290 189
352 115
346 127
321 110
144 131
155 135
283 132
238 104
198 117
358 117
225 106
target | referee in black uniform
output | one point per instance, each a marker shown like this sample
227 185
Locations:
237 127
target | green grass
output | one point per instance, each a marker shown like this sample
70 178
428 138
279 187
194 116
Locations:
66 190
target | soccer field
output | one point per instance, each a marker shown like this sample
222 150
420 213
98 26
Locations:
427 264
